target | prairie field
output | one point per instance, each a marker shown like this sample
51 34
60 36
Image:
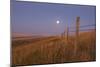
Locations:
53 49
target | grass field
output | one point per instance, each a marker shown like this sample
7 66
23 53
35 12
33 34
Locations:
53 49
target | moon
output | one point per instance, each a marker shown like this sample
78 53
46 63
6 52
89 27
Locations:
58 22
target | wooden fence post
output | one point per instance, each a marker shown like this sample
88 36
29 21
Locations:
67 33
77 34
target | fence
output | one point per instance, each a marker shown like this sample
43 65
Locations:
77 30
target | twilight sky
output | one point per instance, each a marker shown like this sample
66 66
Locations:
40 18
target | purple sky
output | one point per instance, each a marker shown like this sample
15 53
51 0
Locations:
40 18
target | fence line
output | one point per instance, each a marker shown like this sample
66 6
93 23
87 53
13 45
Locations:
83 30
84 26
77 30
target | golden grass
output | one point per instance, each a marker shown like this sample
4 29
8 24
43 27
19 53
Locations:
54 50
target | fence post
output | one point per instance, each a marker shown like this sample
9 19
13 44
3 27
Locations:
67 33
77 34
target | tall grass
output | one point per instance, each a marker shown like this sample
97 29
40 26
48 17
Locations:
55 50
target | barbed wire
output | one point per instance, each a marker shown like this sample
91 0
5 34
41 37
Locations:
82 30
83 26
87 26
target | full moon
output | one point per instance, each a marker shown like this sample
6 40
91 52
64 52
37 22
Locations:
58 22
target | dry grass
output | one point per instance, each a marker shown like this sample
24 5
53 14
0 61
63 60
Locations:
49 50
